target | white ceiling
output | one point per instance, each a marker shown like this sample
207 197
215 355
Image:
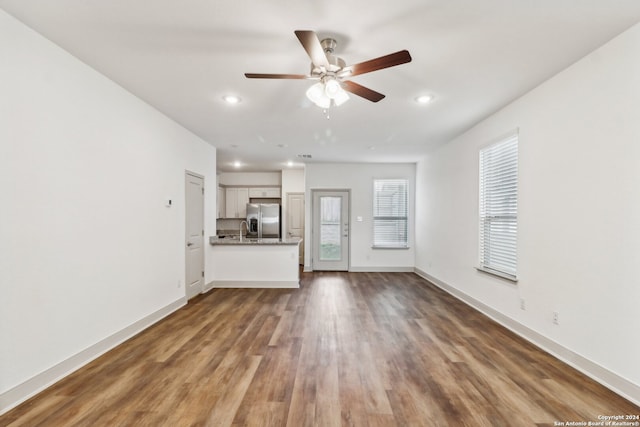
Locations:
182 57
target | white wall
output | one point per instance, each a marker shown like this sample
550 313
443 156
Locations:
87 246
579 213
358 177
292 181
250 179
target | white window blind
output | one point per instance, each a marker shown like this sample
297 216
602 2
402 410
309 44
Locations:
390 213
499 207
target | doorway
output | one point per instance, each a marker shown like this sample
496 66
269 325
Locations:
194 248
330 219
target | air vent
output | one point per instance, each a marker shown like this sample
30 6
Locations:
304 156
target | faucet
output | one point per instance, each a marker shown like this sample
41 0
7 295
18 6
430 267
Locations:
247 224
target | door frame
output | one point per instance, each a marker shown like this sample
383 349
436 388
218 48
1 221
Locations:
186 232
314 219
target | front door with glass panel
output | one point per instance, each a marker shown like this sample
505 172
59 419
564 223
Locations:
330 230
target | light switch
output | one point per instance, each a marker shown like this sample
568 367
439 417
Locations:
359 218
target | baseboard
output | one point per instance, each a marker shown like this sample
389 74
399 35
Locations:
207 287
371 269
20 393
271 284
379 269
602 375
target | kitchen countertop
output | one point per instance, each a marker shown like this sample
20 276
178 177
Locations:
214 240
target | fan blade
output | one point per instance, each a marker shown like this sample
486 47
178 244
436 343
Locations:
311 44
391 60
275 76
362 91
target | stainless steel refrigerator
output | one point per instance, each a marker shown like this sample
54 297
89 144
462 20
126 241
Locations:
263 220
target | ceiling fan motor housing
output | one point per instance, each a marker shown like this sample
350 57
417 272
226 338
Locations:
335 63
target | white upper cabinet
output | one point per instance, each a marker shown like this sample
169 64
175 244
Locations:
236 202
264 192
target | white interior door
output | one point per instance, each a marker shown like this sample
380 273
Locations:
295 219
330 221
194 197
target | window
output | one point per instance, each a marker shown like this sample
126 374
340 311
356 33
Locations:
499 207
390 213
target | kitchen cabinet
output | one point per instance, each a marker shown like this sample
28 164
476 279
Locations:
221 206
264 192
236 200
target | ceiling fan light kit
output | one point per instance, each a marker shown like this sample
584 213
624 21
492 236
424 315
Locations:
327 92
331 71
340 97
317 95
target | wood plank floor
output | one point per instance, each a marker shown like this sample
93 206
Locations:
346 349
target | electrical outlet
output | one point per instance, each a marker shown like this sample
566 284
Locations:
556 318
522 304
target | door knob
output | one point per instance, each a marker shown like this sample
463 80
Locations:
189 244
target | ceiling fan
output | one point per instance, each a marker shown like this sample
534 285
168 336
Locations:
332 71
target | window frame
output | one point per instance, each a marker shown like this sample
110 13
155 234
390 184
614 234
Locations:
400 218
498 219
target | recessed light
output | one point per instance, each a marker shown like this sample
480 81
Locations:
236 164
231 99
289 163
424 99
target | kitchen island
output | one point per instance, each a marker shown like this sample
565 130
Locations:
255 263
